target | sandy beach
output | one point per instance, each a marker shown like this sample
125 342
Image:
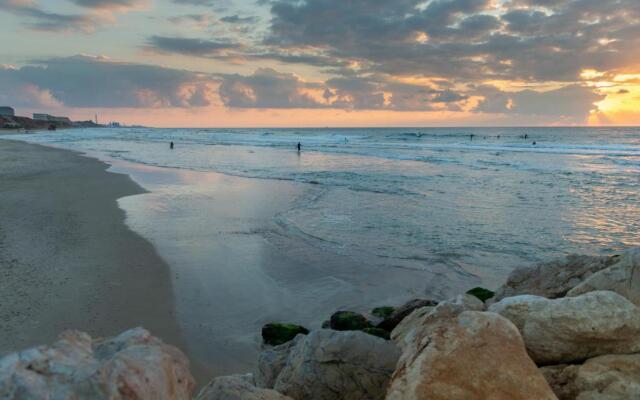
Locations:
68 259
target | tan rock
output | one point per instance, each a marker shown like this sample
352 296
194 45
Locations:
623 277
551 279
271 361
402 334
237 387
133 365
474 355
572 329
610 377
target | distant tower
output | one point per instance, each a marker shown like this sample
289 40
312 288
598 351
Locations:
96 119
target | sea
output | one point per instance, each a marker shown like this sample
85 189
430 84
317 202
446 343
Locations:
432 204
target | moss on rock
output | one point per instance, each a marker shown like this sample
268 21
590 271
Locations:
377 332
481 293
275 334
349 321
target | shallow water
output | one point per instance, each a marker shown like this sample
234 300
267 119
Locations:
255 231
416 197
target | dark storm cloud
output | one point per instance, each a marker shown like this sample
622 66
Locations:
38 19
190 46
83 81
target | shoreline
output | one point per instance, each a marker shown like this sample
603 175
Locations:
68 259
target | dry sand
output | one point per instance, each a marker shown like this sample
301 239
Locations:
67 259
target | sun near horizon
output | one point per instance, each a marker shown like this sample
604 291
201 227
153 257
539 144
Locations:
319 63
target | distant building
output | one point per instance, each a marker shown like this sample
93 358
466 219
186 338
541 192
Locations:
7 112
51 118
114 124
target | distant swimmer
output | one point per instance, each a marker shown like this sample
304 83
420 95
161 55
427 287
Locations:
534 142
299 146
526 136
171 146
471 136
498 136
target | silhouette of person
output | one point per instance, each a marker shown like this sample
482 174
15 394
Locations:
299 146
171 146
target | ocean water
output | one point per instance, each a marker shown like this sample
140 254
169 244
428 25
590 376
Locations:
411 197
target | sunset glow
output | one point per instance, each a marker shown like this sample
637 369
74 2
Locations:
322 63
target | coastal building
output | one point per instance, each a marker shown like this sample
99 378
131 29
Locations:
7 112
51 118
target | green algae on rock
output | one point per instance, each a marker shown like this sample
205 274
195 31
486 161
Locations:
383 312
349 321
275 334
481 293
381 333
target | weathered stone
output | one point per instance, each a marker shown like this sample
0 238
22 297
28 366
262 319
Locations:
271 361
572 329
275 334
133 365
237 387
348 321
623 277
610 377
382 312
475 355
333 365
551 279
403 333
481 293
401 312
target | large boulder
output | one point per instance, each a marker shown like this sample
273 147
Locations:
334 365
610 377
403 333
552 279
389 323
572 329
271 361
475 355
133 365
623 277
237 387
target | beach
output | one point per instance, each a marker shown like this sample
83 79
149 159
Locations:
68 260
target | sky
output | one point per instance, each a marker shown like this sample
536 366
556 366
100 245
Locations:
248 63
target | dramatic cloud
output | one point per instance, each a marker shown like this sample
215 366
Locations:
84 81
38 19
189 46
574 102
110 4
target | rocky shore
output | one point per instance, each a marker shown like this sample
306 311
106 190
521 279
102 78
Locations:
567 329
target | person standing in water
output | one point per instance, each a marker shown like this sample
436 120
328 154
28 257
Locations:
171 146
299 147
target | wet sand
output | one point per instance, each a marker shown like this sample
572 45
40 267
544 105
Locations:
67 258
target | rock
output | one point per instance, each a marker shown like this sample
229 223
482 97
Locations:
481 293
623 277
237 387
348 321
407 308
133 365
475 355
610 377
572 329
403 333
551 279
377 332
275 334
271 361
326 324
383 312
333 365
